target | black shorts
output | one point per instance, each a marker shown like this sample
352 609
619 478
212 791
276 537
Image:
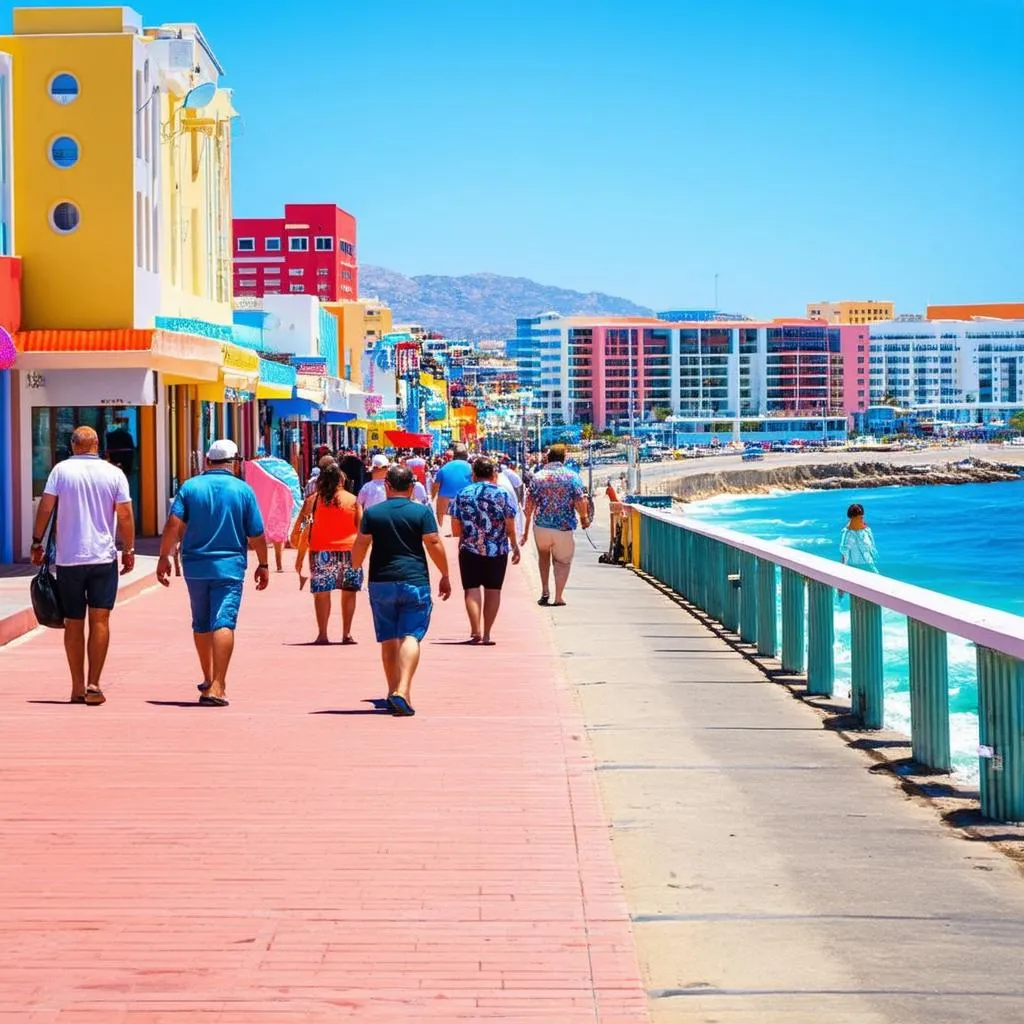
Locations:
86 586
481 570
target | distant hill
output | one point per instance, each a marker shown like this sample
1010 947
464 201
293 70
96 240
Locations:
479 306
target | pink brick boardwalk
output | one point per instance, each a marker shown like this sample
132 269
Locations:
299 856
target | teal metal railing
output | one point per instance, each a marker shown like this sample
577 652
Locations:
733 578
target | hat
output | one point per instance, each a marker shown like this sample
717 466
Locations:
223 450
315 472
380 462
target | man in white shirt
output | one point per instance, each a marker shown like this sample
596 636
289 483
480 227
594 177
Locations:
92 499
373 492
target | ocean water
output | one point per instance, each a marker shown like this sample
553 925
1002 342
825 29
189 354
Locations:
966 541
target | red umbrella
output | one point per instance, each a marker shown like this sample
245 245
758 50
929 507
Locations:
406 439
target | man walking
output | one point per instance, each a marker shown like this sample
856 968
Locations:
399 533
450 479
374 491
484 520
556 496
89 495
216 518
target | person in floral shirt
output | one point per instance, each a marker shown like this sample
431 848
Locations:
555 498
484 519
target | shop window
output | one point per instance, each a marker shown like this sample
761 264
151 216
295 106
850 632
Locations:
64 218
64 88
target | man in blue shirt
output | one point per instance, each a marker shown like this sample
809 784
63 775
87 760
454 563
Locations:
451 478
484 520
216 518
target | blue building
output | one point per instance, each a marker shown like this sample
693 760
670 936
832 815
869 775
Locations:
527 348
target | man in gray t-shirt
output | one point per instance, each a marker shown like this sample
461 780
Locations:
92 502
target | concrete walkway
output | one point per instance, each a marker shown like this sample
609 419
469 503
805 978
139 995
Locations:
301 856
771 875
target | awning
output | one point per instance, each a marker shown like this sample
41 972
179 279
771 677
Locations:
406 439
277 380
301 408
330 417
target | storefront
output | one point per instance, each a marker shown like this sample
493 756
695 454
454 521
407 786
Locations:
118 404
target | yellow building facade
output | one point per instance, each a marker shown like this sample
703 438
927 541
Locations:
122 199
851 311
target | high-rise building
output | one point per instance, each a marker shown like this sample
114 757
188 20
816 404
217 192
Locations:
851 311
309 251
960 371
536 341
616 371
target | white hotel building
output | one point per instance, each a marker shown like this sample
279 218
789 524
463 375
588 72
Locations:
957 371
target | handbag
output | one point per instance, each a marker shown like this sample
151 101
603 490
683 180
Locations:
46 603
303 527
351 579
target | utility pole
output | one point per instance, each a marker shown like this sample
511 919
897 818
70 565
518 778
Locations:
716 292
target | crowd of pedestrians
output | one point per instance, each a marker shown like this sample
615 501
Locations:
364 521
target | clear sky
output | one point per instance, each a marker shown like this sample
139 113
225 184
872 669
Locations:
801 149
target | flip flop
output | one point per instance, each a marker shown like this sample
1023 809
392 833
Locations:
544 600
487 643
558 604
400 706
94 698
209 701
77 698
349 641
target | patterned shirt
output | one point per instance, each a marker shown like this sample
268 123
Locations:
482 509
554 492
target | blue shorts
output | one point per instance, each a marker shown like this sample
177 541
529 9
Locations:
215 604
400 610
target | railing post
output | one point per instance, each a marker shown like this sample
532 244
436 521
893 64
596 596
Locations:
821 640
793 611
866 674
767 627
748 598
929 695
717 577
1001 731
731 600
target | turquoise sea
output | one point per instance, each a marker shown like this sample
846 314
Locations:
966 541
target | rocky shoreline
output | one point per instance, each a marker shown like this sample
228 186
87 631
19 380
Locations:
834 477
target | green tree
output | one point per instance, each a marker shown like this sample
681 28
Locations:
660 413
1017 421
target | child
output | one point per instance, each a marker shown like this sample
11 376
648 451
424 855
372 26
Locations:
857 542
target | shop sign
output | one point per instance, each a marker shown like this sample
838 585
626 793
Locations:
90 387
309 367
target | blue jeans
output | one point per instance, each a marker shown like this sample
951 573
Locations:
215 604
400 610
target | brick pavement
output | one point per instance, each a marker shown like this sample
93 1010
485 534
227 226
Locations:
300 856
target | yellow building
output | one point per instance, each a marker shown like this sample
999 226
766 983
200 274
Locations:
851 311
122 203
359 323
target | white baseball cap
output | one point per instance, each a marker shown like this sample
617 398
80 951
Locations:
223 450
380 462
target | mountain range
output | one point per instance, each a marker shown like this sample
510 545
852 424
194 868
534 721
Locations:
480 306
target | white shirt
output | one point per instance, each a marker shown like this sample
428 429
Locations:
87 489
373 493
506 485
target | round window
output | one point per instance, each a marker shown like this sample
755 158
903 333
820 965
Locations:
64 151
64 218
64 88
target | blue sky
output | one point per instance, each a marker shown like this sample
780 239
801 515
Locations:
801 149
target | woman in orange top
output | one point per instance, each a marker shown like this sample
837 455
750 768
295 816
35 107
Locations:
332 532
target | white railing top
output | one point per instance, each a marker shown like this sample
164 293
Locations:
1001 631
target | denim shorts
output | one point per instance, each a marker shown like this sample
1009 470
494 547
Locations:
215 604
400 610
86 586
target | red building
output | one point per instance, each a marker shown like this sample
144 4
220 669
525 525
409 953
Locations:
309 251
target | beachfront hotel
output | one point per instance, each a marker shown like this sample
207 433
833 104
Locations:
707 376
951 371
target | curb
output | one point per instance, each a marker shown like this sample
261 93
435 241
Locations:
21 622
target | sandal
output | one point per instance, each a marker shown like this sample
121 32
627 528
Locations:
348 641
209 701
400 706
94 696
77 698
544 600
